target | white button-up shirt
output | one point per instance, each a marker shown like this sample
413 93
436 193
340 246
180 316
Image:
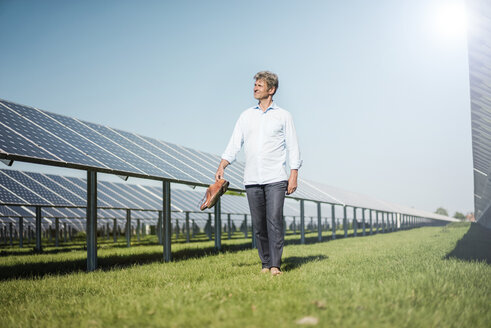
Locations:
266 137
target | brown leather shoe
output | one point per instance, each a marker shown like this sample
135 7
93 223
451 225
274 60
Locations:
214 192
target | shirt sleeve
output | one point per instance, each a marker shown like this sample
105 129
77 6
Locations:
295 161
235 143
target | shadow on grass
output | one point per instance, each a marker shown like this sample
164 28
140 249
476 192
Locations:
106 263
474 246
294 262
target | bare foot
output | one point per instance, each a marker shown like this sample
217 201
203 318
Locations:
265 270
275 271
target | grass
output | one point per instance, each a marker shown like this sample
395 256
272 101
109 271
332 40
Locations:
425 277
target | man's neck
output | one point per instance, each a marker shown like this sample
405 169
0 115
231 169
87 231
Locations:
265 103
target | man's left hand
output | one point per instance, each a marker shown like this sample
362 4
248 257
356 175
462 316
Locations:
292 182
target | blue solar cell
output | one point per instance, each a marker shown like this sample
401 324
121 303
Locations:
177 160
73 199
24 195
32 186
80 191
49 212
32 130
8 196
77 136
102 199
232 174
163 165
13 143
13 210
136 194
122 200
108 151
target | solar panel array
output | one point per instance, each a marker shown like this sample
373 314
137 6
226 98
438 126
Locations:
19 190
480 90
358 200
33 135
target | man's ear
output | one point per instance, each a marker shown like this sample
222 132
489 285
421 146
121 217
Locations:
272 90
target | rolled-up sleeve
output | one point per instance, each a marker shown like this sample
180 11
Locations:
235 143
295 161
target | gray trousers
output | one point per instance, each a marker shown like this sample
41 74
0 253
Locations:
266 206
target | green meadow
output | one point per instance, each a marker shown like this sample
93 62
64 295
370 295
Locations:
424 277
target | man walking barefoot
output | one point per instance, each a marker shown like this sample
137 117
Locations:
266 132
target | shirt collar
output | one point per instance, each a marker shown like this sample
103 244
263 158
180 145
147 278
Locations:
272 106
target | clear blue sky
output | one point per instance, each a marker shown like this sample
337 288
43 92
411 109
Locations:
379 96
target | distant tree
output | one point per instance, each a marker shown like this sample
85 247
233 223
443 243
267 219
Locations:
459 216
441 211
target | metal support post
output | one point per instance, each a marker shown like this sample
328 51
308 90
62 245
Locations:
245 226
64 232
345 222
383 222
128 228
218 226
57 232
166 217
392 221
11 234
319 222
229 227
29 233
302 222
138 228
159 230
355 223
333 219
115 233
377 226
91 220
21 232
363 220
294 226
38 247
187 228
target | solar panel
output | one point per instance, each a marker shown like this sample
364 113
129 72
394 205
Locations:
14 211
36 134
137 201
8 196
178 169
39 131
108 151
61 192
28 197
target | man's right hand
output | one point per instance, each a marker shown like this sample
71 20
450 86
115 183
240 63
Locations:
221 169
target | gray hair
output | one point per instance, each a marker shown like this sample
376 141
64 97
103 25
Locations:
270 78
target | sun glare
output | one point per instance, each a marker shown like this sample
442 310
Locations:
451 20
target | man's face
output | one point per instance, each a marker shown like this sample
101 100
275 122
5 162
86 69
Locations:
261 90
